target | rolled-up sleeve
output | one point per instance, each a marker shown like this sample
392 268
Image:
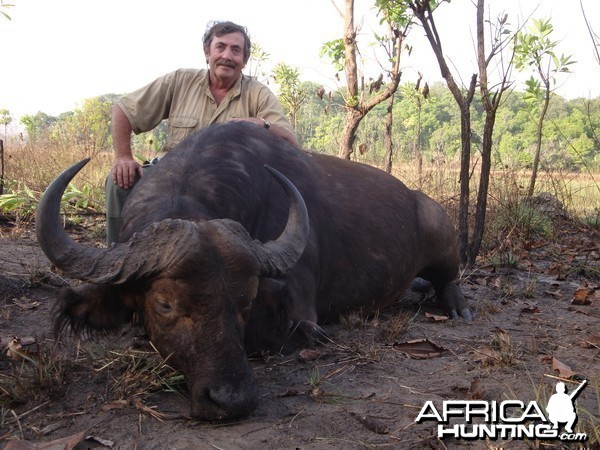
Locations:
148 106
270 109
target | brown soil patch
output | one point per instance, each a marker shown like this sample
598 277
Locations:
361 390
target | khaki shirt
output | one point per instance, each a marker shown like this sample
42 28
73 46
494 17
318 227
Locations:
184 98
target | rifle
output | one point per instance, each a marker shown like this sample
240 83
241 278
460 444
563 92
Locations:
574 394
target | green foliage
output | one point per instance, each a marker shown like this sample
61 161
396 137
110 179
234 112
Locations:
89 125
258 57
335 51
22 202
3 7
395 12
86 127
291 92
37 126
5 117
536 51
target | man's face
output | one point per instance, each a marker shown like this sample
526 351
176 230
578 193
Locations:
226 56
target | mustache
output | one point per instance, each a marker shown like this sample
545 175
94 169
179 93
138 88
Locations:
225 62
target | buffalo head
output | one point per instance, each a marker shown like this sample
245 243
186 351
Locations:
193 283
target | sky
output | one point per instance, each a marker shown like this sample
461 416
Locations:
54 54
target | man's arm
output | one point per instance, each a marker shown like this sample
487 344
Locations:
284 133
125 168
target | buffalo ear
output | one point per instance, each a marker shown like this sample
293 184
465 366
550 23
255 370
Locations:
90 307
268 326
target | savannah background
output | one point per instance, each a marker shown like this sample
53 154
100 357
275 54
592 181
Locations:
529 228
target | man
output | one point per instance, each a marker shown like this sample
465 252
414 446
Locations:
191 100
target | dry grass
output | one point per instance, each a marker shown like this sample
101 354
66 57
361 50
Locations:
36 373
137 373
36 167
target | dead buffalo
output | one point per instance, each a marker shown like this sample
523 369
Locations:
219 260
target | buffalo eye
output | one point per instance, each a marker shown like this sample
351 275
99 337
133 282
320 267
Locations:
163 307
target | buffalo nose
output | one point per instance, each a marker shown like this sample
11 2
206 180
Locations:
234 402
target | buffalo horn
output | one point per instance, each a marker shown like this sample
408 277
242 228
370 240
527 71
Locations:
276 257
143 255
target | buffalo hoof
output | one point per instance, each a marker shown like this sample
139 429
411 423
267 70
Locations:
465 313
455 303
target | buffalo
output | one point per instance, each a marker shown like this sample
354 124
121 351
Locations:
236 242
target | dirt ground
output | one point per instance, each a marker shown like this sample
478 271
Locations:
534 321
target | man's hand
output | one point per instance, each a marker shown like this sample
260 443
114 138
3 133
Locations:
125 171
254 120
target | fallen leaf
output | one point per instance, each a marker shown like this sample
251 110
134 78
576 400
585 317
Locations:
101 441
66 443
577 310
563 370
475 391
309 354
436 317
533 309
15 349
26 303
582 296
555 294
592 341
486 355
118 404
420 349
489 268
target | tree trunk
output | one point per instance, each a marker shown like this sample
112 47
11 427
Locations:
352 114
484 183
389 144
490 106
422 10
353 118
356 106
465 166
1 167
419 152
538 144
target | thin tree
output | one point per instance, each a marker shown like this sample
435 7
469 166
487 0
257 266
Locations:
534 50
491 98
357 103
398 20
423 11
593 36
5 119
291 92
418 96
258 57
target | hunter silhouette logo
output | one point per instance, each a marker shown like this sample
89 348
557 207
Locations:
508 419
561 406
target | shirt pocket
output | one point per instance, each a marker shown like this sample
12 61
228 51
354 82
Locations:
179 128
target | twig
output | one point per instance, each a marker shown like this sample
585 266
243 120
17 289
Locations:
20 416
566 380
18 422
294 418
